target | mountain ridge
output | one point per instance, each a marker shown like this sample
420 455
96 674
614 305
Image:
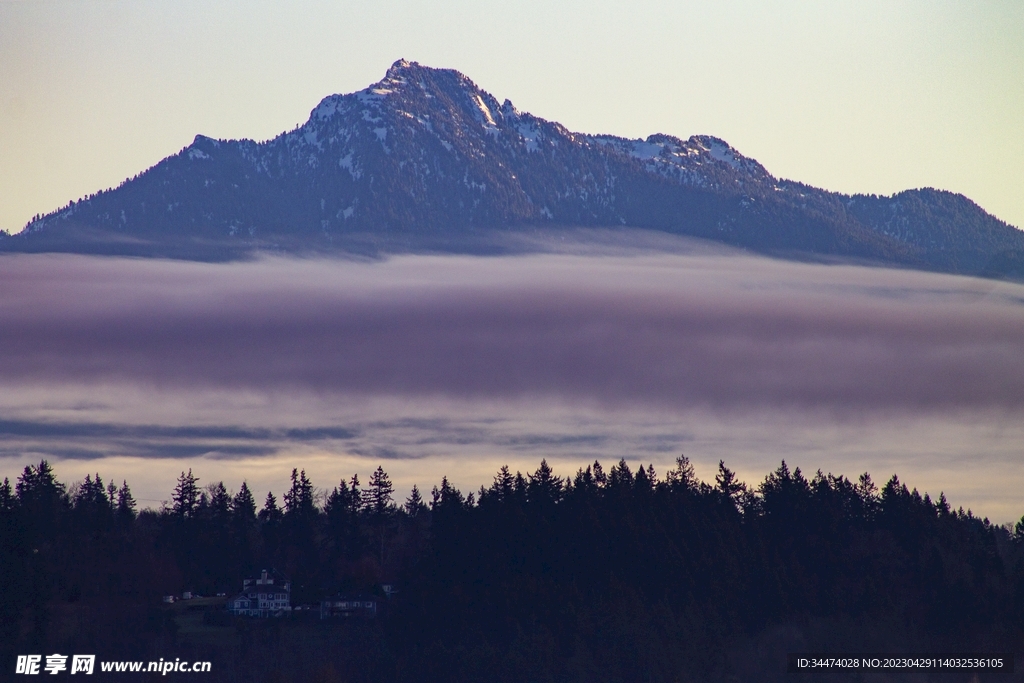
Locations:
426 156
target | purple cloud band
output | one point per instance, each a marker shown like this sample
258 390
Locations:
607 333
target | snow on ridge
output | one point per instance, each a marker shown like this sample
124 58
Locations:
205 140
326 109
509 111
371 95
398 67
691 161
485 116
527 125
643 150
482 106
721 151
530 133
661 154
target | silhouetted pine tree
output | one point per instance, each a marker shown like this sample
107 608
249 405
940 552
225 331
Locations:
414 505
186 496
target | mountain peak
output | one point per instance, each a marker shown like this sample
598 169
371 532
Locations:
400 66
426 154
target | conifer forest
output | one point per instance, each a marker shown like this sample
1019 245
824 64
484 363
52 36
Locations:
608 574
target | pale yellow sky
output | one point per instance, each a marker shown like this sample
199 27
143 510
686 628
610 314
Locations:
855 96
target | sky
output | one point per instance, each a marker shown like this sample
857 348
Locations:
454 365
872 96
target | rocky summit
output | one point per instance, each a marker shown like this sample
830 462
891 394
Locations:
424 159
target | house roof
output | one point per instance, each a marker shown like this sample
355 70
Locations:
272 575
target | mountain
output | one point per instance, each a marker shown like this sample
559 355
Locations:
426 159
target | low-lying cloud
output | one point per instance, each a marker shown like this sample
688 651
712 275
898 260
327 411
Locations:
661 331
547 355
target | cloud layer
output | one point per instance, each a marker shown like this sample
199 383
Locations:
505 358
660 331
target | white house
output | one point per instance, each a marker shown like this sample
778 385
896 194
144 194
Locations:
268 595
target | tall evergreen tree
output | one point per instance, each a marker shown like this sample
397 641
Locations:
243 505
270 514
447 498
125 502
355 499
377 496
7 499
504 484
89 495
38 483
414 505
41 498
342 511
338 505
112 495
620 478
298 500
186 496
377 503
583 483
682 477
220 500
543 486
642 483
727 483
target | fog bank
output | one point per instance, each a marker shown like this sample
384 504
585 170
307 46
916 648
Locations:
455 365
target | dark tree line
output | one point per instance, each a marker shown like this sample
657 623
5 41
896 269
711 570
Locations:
608 575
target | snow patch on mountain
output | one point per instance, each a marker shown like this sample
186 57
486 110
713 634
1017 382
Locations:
327 108
646 150
723 152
